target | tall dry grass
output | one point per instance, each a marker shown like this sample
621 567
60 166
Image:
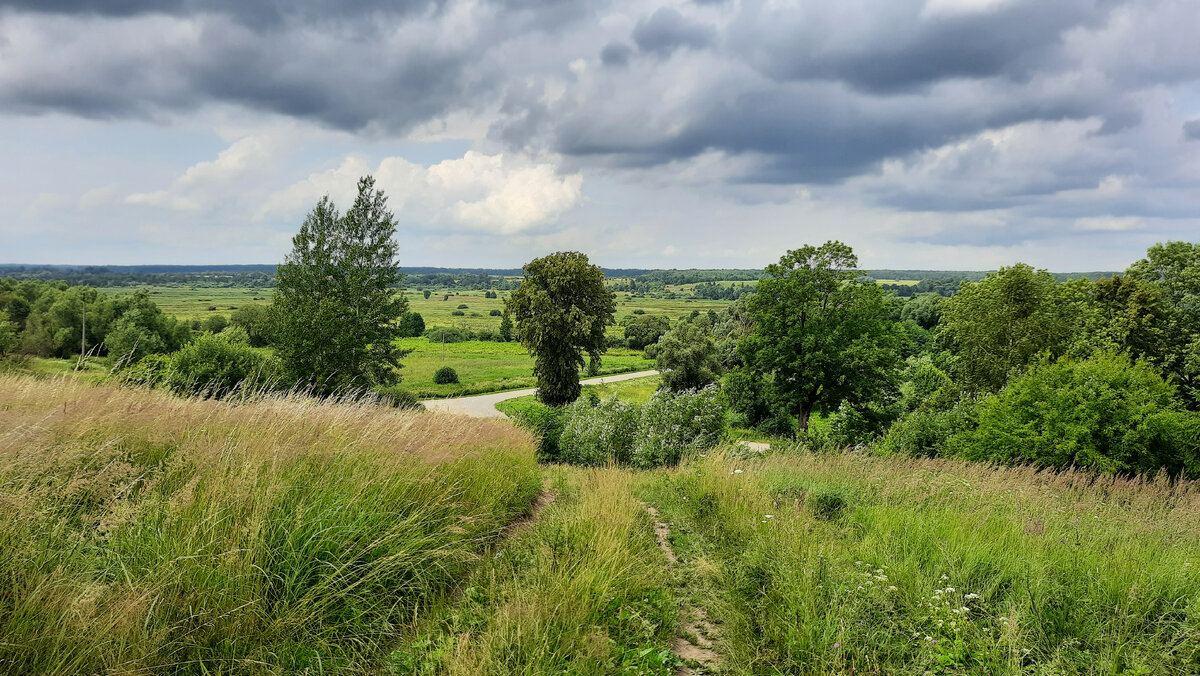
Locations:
850 563
142 533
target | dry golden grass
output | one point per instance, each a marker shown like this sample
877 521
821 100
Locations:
139 530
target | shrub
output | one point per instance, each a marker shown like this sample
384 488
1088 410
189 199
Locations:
494 313
674 424
395 397
1103 412
546 423
458 313
599 433
211 366
445 376
826 504
687 358
462 306
412 324
926 431
639 311
149 371
644 331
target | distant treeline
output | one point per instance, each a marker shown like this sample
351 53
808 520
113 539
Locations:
942 282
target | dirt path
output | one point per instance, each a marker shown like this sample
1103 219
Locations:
484 405
695 647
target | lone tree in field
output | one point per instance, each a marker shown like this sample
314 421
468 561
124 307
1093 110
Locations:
821 332
561 309
336 310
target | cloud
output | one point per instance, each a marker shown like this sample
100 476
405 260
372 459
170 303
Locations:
666 30
1109 224
497 194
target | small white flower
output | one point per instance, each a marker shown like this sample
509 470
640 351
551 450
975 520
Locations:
892 588
768 516
737 471
972 595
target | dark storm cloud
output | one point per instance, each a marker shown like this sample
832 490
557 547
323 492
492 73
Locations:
616 54
895 46
666 30
1191 130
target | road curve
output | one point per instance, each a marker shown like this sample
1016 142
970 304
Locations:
484 405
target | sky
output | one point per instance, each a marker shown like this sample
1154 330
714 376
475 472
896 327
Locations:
934 134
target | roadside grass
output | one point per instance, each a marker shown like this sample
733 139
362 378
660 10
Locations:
485 366
143 533
848 563
583 590
637 390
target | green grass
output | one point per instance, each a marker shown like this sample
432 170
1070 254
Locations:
145 533
637 389
840 564
485 366
584 590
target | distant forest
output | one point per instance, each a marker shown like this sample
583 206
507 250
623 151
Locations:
942 282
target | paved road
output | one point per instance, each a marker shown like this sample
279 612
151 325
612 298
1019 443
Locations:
484 405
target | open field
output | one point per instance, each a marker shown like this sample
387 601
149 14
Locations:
142 533
486 366
193 303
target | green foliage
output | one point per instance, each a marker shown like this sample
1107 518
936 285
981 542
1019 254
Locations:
645 330
687 358
999 325
1173 271
545 423
334 307
561 310
821 331
1103 412
494 312
462 306
8 334
445 376
256 320
506 328
598 433
132 337
212 366
412 324
215 323
150 371
458 313
924 308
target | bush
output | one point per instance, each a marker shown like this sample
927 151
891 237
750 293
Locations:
1103 412
462 306
644 331
211 366
639 311
149 371
395 397
458 313
687 358
494 313
412 324
598 433
927 431
546 423
673 424
445 376
826 504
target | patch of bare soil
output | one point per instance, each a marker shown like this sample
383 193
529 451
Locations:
695 647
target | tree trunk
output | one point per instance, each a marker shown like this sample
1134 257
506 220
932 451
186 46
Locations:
803 415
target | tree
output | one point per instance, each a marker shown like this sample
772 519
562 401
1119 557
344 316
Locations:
335 309
687 358
215 323
646 330
561 310
8 334
506 327
1173 270
133 337
256 320
821 333
924 309
427 293
412 324
998 325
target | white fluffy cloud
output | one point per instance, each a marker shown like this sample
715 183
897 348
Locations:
500 194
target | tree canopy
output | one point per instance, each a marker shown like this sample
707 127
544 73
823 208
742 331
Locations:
561 310
336 313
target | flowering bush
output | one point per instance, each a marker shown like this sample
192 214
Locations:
673 424
595 433
658 432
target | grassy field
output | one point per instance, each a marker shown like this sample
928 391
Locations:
851 564
141 533
486 366
193 303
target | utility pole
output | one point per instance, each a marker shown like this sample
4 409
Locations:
443 343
